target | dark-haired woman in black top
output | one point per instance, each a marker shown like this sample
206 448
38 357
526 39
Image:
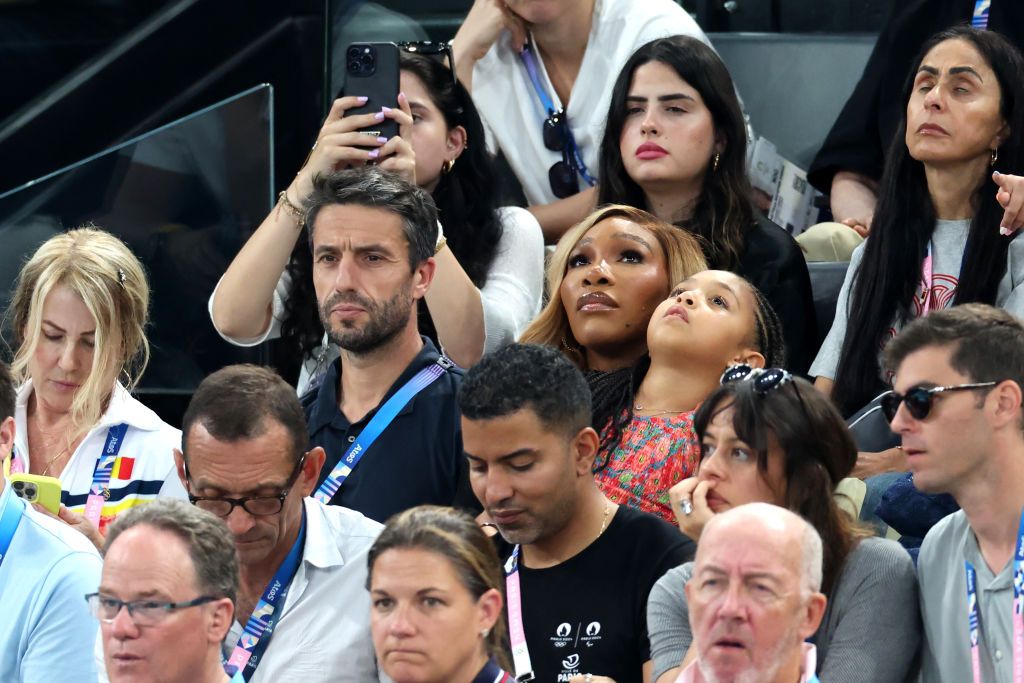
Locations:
676 145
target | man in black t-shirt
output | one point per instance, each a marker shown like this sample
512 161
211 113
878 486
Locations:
580 568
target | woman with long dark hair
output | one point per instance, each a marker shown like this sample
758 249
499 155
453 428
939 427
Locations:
935 238
489 258
769 437
676 145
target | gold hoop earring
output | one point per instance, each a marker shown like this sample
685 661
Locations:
447 166
994 157
714 166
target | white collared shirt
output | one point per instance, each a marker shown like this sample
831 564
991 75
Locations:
323 635
145 465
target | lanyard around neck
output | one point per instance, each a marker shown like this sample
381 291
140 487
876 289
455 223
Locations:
376 426
979 19
99 491
517 634
573 149
259 629
974 613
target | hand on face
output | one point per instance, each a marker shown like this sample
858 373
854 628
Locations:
695 492
486 21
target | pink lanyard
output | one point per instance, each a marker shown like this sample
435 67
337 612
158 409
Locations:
517 634
974 613
929 281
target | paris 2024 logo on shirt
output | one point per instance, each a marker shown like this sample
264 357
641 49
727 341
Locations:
578 637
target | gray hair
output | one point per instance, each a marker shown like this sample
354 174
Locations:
812 553
209 542
377 189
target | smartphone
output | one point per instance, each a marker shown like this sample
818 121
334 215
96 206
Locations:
371 70
37 489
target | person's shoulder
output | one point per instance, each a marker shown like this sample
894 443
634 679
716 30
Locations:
664 17
647 531
675 578
350 531
943 541
882 559
518 221
58 541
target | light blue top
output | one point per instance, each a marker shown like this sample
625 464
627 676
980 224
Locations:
46 630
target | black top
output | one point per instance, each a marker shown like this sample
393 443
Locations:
772 262
861 135
589 613
417 460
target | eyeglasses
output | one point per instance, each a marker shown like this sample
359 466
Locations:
764 379
141 612
918 400
432 49
257 506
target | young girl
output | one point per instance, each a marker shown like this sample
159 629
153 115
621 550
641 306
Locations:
645 413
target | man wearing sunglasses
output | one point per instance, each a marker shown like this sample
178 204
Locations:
302 611
956 404
166 599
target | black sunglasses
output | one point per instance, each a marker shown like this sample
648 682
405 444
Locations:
918 400
562 174
764 379
432 49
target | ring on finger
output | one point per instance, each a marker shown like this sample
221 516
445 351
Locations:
686 506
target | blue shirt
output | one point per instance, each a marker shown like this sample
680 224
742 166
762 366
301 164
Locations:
46 630
417 460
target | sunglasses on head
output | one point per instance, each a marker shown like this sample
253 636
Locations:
764 380
442 51
918 400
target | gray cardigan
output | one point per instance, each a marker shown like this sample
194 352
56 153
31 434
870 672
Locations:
870 633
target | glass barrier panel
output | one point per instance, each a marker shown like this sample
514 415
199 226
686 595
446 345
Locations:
184 197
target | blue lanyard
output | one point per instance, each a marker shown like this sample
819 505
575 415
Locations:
979 19
974 615
376 426
259 629
99 491
545 100
10 518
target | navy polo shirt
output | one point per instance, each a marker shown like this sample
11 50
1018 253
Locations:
417 460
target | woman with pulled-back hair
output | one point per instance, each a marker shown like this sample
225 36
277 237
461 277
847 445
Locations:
436 598
766 436
948 205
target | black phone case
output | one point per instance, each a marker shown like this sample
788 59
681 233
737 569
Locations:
381 87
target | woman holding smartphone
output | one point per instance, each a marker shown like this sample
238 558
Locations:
490 258
79 312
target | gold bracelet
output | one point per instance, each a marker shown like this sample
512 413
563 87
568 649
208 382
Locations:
440 245
296 212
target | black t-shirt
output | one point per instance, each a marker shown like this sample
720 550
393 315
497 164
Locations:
589 613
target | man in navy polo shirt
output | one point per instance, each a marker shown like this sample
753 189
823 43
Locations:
385 412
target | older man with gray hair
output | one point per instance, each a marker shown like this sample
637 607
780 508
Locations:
166 598
755 597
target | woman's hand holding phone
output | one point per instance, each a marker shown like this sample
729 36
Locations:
77 522
340 144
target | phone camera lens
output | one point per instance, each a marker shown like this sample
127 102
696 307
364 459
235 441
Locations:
19 485
30 491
